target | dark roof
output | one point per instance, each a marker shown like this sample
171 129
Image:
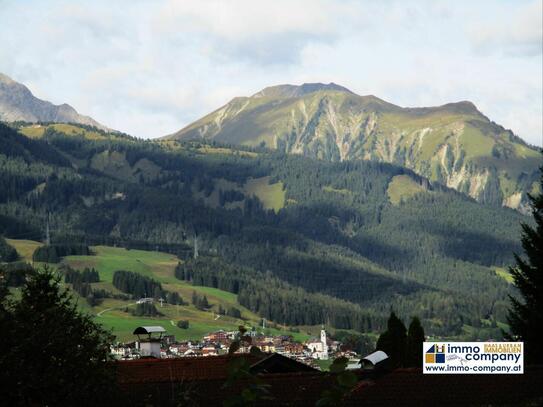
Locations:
140 330
276 363
202 368
203 379
298 389
410 387
176 370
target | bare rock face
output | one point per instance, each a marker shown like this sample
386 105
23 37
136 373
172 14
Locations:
454 144
17 103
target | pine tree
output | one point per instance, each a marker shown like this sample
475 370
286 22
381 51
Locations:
58 356
7 252
393 341
526 315
204 303
194 299
415 338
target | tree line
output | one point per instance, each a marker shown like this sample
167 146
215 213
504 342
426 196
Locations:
144 287
54 253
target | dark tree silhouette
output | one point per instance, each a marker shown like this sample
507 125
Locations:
526 314
393 341
415 338
7 252
57 355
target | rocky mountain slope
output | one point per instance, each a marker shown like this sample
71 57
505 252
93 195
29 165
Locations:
454 144
17 103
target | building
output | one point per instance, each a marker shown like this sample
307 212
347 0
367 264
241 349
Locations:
218 337
150 346
319 348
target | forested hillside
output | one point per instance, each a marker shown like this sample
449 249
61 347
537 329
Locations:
300 241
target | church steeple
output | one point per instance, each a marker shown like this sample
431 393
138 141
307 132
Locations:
324 344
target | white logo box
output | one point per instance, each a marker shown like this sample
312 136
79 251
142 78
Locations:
473 357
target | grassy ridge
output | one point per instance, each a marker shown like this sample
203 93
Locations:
38 130
454 144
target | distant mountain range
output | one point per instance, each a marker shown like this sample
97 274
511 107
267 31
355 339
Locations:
17 103
453 144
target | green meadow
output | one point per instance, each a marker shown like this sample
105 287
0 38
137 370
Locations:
402 187
111 313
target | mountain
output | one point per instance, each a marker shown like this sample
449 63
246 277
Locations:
17 103
453 144
296 240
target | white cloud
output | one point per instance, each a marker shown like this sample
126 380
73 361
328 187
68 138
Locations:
238 20
517 33
151 67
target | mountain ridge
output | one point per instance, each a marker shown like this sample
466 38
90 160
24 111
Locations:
454 144
288 90
18 103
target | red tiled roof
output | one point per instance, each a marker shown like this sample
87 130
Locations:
204 378
410 387
300 389
176 370
163 380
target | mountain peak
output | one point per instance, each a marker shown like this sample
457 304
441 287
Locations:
464 107
6 79
292 91
17 103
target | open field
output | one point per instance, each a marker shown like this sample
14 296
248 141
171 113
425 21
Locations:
106 260
402 187
200 322
271 195
25 248
160 266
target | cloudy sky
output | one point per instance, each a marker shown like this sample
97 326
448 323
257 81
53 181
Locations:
150 67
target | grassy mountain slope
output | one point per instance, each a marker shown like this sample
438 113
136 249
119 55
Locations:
159 266
334 248
453 144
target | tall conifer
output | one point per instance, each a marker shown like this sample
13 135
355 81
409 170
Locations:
526 314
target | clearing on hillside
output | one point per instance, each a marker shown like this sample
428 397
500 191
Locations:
272 196
402 187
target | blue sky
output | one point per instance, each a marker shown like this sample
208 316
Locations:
150 67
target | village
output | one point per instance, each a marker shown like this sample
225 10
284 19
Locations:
217 343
